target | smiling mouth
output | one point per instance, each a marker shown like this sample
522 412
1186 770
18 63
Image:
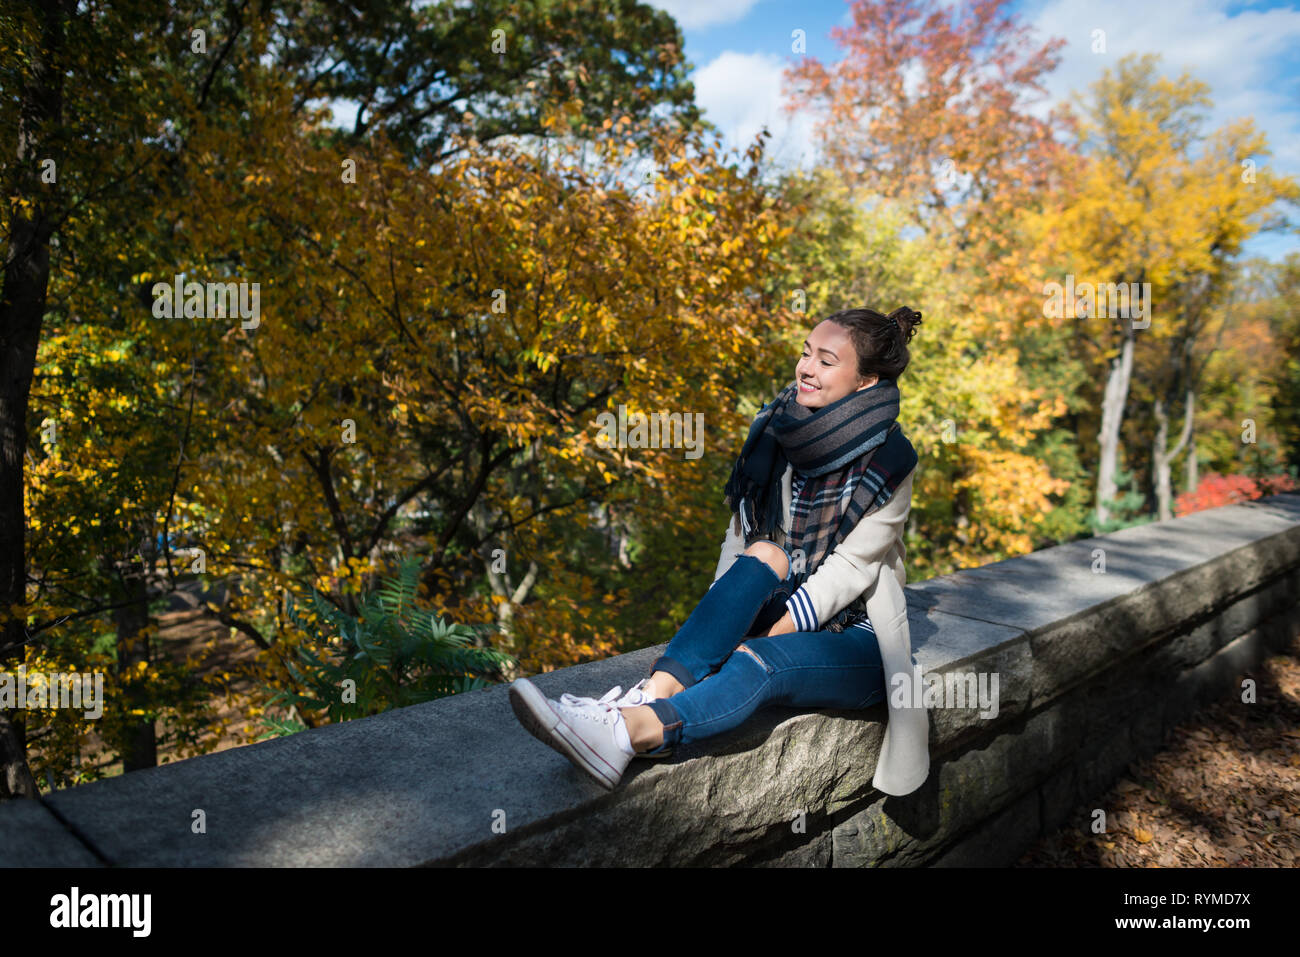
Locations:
805 387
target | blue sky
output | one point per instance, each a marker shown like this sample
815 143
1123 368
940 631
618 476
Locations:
1248 53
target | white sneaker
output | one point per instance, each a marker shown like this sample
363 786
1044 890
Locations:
634 697
593 736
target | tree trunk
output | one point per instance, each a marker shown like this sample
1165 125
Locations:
614 532
1112 418
1193 479
1163 458
141 749
502 584
1159 461
22 309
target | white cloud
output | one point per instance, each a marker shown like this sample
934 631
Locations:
693 14
1233 54
742 92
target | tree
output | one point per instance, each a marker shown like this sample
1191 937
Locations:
31 221
115 96
432 75
1285 319
1149 211
929 105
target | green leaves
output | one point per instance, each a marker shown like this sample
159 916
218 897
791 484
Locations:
390 655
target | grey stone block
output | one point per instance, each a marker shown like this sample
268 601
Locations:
30 836
1057 797
998 841
865 838
719 806
1012 666
815 853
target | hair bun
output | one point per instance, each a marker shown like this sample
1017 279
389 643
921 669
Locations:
903 314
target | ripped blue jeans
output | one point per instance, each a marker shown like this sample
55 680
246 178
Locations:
799 669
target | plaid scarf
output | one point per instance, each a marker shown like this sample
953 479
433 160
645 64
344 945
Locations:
853 456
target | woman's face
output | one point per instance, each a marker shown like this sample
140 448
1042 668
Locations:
828 369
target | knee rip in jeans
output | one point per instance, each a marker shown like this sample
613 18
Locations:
772 555
745 648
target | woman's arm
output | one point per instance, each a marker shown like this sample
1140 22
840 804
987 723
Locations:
732 545
783 627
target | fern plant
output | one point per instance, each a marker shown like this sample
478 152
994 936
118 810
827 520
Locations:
392 654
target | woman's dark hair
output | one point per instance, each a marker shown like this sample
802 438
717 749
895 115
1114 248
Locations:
881 346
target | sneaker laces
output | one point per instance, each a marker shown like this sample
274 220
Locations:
638 691
634 696
573 701
601 710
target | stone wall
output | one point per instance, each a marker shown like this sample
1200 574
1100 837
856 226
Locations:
1093 667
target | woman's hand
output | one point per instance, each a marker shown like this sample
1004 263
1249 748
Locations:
782 627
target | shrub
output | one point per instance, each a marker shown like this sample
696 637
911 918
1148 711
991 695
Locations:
1215 489
392 654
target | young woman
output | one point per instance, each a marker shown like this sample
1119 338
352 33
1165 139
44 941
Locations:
809 586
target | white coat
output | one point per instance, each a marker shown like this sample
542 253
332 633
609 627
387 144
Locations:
854 568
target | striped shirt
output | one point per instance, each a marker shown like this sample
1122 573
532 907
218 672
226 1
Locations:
799 605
